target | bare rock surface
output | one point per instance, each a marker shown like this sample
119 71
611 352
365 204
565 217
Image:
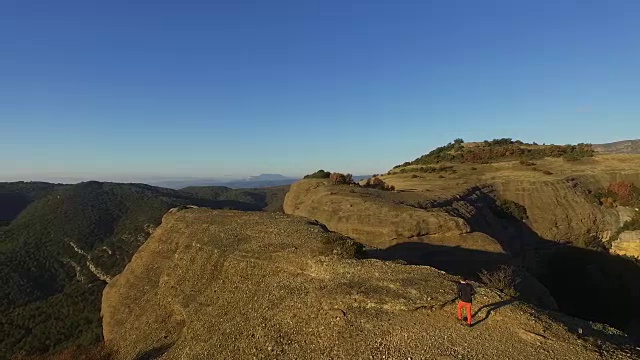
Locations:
628 243
232 285
558 209
362 215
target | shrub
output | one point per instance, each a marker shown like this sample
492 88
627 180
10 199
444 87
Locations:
571 157
608 202
577 152
320 174
428 169
527 163
503 279
514 209
591 242
341 179
629 225
379 184
501 142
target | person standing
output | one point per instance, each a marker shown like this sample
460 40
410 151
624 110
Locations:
465 297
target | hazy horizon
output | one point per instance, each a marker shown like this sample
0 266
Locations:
137 178
120 89
70 178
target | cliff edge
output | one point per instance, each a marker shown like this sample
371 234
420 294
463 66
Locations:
225 284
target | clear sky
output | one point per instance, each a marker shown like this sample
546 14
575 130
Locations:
208 88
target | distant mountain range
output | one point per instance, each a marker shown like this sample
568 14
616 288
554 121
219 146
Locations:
619 147
258 181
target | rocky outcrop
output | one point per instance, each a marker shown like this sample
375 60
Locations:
557 194
362 215
559 209
231 285
628 243
90 265
454 234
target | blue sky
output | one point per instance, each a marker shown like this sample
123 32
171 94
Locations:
115 89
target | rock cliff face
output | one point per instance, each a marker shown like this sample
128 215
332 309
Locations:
231 285
365 216
559 209
628 243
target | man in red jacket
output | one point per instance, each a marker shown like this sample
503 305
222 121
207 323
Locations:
465 295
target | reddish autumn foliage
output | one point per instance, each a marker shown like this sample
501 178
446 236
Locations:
626 192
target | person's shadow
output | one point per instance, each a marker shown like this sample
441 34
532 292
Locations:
490 308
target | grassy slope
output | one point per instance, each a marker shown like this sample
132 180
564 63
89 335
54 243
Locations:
464 175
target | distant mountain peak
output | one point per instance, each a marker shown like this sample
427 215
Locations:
619 147
268 177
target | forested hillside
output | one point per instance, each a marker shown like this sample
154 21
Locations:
16 196
58 253
267 198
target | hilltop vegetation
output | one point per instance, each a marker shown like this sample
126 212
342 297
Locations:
16 196
320 174
55 252
497 150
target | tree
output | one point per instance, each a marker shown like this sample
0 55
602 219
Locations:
341 179
320 174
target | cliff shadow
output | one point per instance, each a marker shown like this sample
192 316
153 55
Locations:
489 309
153 353
590 284
586 284
454 260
